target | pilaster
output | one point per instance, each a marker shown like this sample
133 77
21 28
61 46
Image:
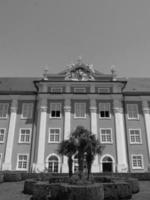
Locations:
122 165
7 165
146 112
40 165
93 110
67 130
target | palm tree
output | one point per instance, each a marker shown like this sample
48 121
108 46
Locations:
68 148
92 148
87 146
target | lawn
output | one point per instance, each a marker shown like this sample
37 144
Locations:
14 191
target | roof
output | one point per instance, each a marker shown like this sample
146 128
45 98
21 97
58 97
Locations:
137 85
17 84
26 84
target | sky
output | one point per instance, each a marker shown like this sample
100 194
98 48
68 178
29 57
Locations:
54 33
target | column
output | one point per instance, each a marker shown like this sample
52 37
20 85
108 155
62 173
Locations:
122 165
93 110
146 112
7 165
40 165
67 130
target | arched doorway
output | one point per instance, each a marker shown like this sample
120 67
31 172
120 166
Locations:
53 164
107 164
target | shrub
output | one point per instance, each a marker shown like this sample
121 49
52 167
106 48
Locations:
1 178
28 186
124 190
81 192
12 176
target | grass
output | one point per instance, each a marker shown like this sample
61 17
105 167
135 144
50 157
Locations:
14 191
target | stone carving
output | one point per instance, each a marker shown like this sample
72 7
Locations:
80 72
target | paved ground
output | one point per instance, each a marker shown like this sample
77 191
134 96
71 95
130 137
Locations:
14 191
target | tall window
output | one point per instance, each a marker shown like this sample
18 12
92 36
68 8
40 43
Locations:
104 110
132 110
106 135
25 136
137 161
27 110
135 136
2 135
53 164
54 135
22 162
55 110
4 110
80 110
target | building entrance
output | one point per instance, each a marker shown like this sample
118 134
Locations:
107 164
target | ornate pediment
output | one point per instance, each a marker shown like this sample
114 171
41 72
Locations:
80 72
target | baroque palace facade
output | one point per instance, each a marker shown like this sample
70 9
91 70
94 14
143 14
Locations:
36 114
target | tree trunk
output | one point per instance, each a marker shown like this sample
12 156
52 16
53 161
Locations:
70 161
80 163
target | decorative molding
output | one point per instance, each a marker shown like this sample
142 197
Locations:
67 108
118 110
43 108
93 109
80 72
145 107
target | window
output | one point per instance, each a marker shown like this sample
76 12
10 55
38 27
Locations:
4 110
55 110
22 162
79 90
137 161
104 110
103 90
2 135
56 90
53 164
27 110
54 135
135 136
106 135
80 110
25 136
132 110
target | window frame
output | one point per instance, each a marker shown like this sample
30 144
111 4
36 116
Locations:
31 114
85 114
134 129
49 134
25 142
142 161
6 117
2 142
137 110
50 109
22 169
106 142
109 105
